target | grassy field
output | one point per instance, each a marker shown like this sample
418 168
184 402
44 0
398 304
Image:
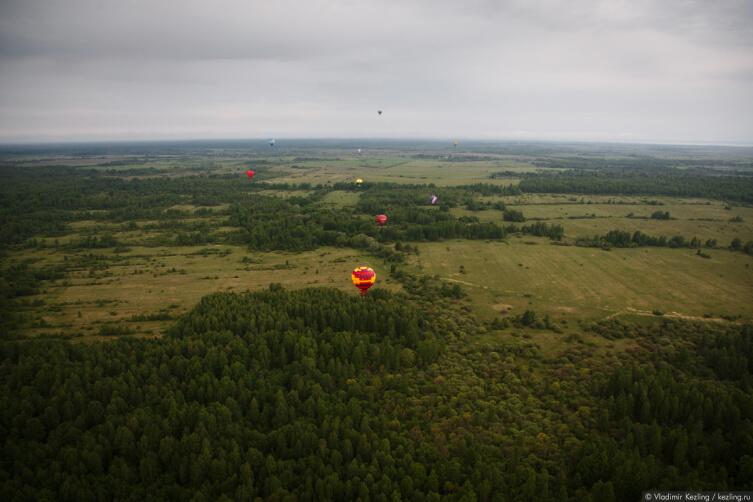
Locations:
567 283
501 278
442 172
172 279
570 282
700 218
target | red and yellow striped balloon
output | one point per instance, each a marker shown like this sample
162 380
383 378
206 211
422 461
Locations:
363 278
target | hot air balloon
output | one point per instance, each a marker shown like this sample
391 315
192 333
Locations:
434 199
455 144
250 173
271 142
381 219
363 278
359 151
379 112
359 181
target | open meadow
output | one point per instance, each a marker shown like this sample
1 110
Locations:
154 263
142 291
700 218
570 283
374 167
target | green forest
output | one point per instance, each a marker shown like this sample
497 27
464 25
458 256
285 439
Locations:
315 394
671 181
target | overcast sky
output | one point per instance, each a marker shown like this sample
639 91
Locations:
644 71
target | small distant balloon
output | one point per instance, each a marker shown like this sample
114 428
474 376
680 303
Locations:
379 112
359 181
359 150
272 142
434 199
363 278
250 173
455 143
381 219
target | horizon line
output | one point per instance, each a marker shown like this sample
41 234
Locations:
72 142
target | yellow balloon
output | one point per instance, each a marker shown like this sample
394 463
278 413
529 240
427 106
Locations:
363 278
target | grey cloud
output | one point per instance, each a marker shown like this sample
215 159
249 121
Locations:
578 69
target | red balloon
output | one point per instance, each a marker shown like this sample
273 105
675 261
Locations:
381 219
250 173
363 278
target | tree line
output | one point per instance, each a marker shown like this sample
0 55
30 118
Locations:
626 239
671 182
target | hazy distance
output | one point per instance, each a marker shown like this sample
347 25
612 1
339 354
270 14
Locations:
632 71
